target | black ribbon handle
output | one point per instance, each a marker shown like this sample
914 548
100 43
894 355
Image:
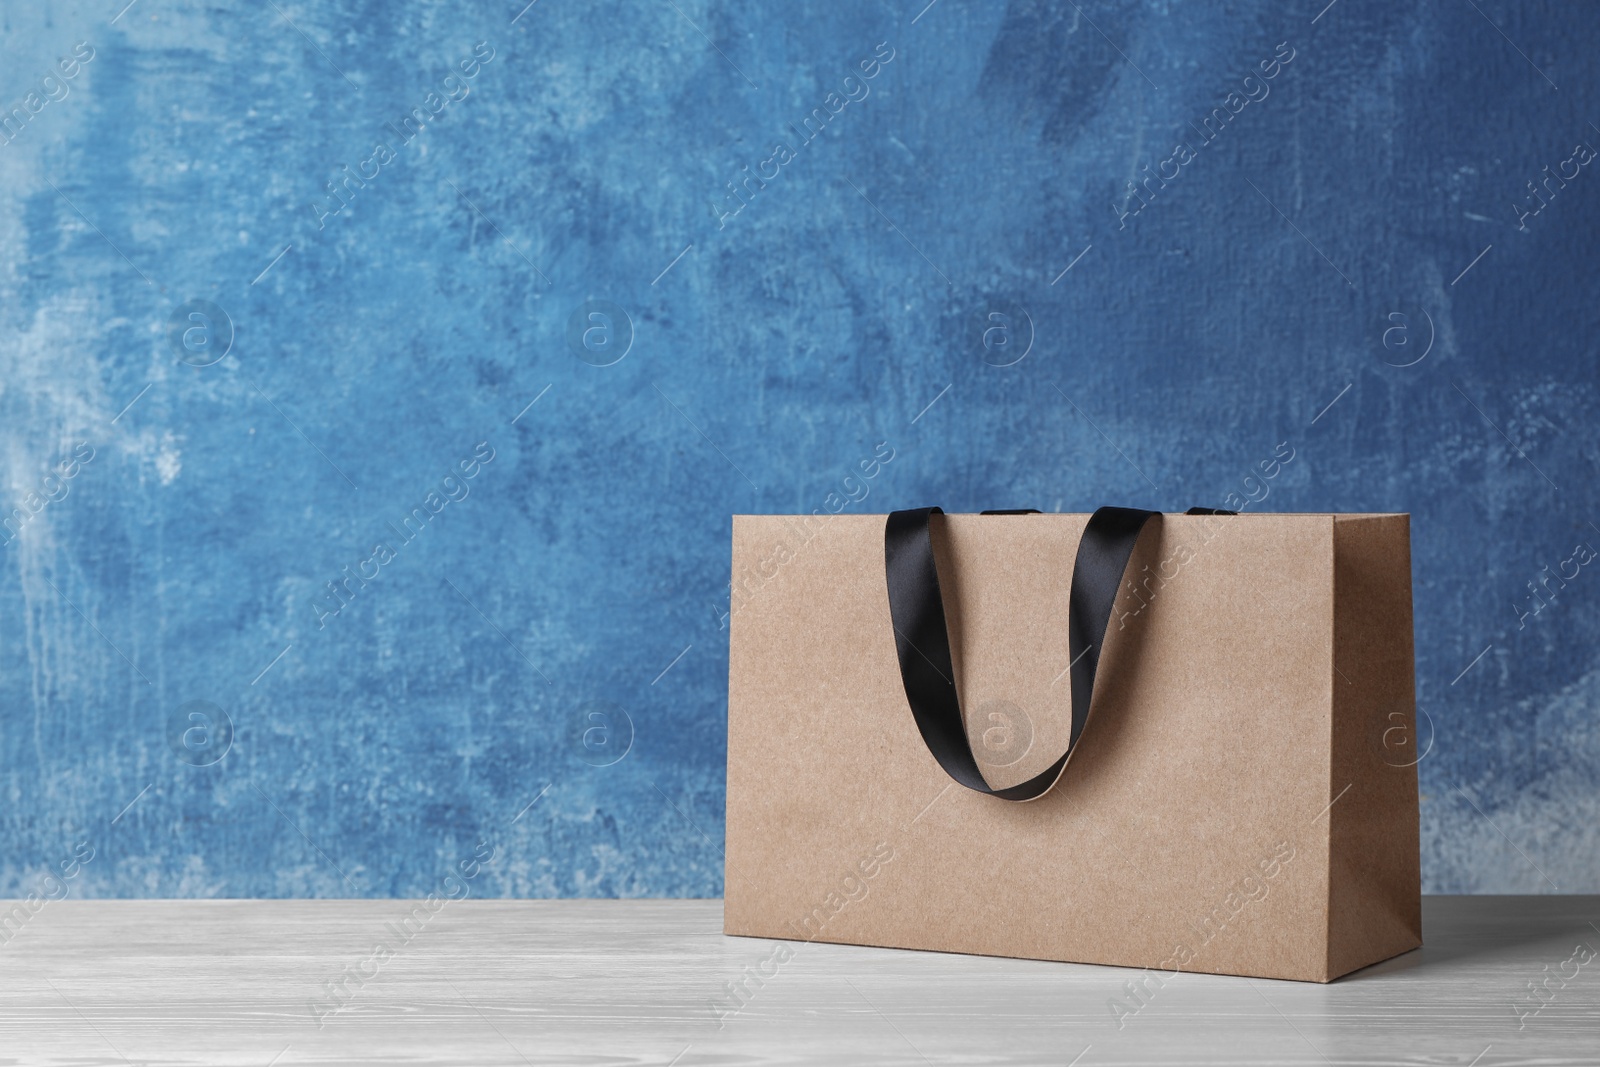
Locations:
922 639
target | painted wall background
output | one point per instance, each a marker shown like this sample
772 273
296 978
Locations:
1348 258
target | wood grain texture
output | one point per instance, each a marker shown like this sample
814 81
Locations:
632 982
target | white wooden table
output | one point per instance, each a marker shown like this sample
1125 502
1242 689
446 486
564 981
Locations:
632 982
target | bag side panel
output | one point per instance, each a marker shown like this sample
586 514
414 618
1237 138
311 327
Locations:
1375 876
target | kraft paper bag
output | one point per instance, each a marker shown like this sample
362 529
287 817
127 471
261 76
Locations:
1242 794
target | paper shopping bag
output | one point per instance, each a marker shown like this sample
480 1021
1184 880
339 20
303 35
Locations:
1177 742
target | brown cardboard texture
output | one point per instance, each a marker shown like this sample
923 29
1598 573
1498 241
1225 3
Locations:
1243 799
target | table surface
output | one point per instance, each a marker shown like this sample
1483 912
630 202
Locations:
287 983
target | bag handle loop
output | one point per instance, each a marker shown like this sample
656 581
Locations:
922 638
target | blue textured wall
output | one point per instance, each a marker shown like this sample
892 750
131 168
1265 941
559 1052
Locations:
618 210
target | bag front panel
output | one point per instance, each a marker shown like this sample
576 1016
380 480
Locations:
1188 831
